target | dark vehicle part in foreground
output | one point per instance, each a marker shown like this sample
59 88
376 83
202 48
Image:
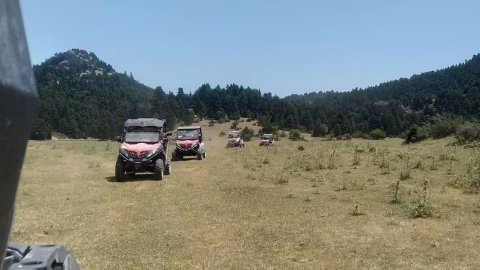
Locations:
17 109
189 142
143 149
20 256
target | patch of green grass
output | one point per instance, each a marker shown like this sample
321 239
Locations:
421 206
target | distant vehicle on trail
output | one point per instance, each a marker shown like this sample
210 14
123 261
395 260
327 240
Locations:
189 142
143 149
266 140
235 139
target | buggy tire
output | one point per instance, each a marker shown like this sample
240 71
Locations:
119 171
174 155
159 167
204 154
199 156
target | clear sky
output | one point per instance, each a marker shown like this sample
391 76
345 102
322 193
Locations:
277 46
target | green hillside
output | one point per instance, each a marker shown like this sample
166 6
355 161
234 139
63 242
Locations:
82 96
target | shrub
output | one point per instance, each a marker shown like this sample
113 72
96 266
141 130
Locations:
235 116
356 159
468 133
268 128
222 133
470 182
377 134
281 178
442 128
247 134
395 193
422 207
356 211
295 135
415 134
357 134
319 130
234 125
346 136
211 123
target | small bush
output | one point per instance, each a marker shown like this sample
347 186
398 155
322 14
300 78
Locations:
418 164
222 133
422 207
295 135
395 193
442 128
470 182
281 179
211 123
357 212
415 134
357 134
358 149
266 161
234 125
301 148
347 136
356 159
320 130
468 133
247 134
377 134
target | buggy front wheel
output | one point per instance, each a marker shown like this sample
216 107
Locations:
159 169
119 171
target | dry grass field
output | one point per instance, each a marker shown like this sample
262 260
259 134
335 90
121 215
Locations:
354 204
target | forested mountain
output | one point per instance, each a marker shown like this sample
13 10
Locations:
82 96
394 105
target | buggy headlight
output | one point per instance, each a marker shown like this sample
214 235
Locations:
152 153
124 152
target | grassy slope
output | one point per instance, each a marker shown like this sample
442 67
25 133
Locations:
253 208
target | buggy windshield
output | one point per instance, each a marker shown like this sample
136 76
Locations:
233 135
142 135
187 134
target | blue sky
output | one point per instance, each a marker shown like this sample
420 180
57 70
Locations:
278 46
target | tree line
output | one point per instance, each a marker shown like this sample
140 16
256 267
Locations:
82 96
